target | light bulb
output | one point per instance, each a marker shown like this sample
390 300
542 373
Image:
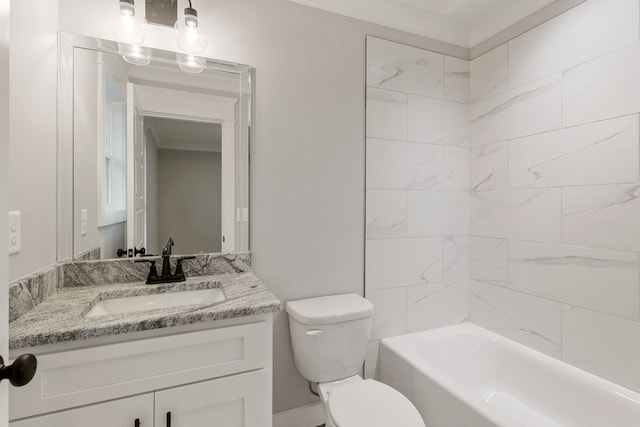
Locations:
191 63
190 36
127 26
133 54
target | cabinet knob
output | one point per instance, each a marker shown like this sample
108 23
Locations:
136 423
21 371
168 419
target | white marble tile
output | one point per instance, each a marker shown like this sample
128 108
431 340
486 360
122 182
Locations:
397 164
371 360
604 152
403 68
435 121
437 213
457 75
456 169
489 74
526 110
516 214
456 258
399 262
488 260
386 114
437 305
389 312
587 31
488 167
603 88
529 320
603 216
597 279
386 214
604 345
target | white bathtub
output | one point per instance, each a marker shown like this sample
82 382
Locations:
467 376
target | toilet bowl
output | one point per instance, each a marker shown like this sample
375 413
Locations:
329 336
356 402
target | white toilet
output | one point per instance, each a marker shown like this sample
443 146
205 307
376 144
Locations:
329 337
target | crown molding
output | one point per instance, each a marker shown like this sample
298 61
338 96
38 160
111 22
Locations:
399 16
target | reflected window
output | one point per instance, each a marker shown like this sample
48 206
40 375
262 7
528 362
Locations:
114 143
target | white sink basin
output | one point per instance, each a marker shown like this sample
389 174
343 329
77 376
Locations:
156 301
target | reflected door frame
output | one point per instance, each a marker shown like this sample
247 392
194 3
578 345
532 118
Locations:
174 104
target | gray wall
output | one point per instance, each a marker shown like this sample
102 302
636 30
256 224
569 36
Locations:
307 162
189 208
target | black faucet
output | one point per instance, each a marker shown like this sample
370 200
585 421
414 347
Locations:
166 276
166 256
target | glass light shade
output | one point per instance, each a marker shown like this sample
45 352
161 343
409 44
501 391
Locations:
133 54
191 63
191 37
126 25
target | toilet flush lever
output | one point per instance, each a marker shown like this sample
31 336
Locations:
315 332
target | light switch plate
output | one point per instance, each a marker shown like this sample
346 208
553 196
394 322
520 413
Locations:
15 232
83 222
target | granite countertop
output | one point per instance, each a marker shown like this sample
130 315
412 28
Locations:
61 318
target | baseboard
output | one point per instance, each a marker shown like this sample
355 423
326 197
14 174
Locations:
302 416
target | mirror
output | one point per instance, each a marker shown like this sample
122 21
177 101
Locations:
150 147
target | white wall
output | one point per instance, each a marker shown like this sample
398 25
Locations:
189 200
4 197
32 127
307 162
417 198
554 216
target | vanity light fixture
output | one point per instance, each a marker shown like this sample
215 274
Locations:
191 37
126 25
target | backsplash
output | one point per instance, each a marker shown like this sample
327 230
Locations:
126 270
28 292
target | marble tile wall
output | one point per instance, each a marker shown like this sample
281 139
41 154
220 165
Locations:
554 170
417 190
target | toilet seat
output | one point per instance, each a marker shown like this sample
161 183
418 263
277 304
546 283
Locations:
370 403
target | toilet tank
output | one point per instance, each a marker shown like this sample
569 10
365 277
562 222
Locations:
329 335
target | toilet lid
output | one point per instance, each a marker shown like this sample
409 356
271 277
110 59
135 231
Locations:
370 403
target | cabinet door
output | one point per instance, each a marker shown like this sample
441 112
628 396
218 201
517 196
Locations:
117 413
236 401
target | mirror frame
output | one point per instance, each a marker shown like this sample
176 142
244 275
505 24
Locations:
65 129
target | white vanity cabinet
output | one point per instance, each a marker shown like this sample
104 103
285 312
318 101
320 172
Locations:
227 402
219 376
130 412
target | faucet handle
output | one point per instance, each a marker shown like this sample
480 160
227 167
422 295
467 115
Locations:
153 271
179 273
